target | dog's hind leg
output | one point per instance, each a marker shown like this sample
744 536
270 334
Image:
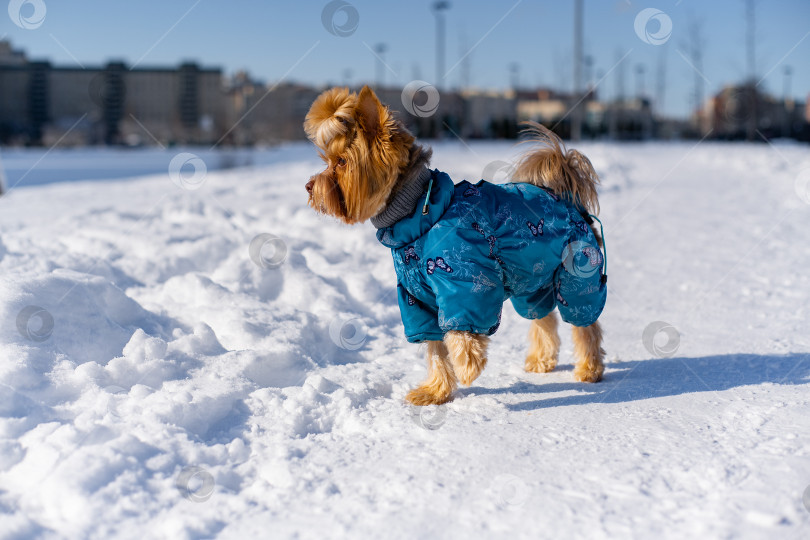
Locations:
544 345
589 353
441 381
468 353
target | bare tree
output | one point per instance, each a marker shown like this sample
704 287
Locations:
615 120
661 80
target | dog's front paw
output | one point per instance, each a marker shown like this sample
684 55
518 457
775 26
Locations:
468 354
469 371
424 395
590 372
536 363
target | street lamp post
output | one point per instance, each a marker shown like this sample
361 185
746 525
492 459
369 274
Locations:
380 49
576 116
438 10
787 111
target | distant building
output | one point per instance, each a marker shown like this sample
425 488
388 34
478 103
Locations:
446 119
807 110
618 119
266 114
745 112
630 119
490 114
41 103
9 56
544 106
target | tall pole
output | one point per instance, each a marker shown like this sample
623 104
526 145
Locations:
751 60
576 116
438 10
380 49
587 62
618 102
514 75
661 82
787 125
640 88
750 17
695 48
466 76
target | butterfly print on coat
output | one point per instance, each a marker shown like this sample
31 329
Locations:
411 299
490 240
438 263
536 229
472 191
594 255
410 253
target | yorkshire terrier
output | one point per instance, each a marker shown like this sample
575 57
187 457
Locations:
461 250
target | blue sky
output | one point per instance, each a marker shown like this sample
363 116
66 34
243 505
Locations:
270 39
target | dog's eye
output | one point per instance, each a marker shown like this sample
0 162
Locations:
341 162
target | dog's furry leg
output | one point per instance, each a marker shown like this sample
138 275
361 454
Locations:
441 381
589 353
468 353
544 345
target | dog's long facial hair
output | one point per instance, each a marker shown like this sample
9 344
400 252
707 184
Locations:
365 150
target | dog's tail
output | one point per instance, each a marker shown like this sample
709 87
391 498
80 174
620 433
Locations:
567 173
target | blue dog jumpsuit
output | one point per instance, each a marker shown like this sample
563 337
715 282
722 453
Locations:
479 244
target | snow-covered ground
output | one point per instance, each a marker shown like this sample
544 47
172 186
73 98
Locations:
160 378
34 166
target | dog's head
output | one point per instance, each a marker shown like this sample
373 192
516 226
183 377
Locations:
364 148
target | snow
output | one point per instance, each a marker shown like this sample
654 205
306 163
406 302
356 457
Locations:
165 385
33 166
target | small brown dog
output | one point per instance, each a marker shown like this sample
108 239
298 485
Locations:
461 250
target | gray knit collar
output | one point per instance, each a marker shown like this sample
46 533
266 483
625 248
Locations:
410 188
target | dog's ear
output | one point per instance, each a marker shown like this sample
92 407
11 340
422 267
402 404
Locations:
369 114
